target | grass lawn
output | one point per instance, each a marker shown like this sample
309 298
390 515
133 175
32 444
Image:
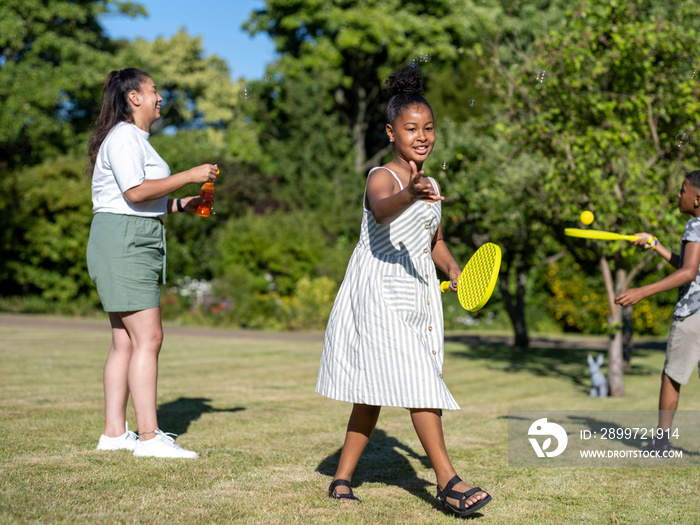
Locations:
269 445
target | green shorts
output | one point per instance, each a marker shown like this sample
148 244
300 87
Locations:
683 348
126 258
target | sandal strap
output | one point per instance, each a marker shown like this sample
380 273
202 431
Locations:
346 496
448 488
341 483
461 497
470 492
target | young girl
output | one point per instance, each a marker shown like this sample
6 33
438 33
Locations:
384 339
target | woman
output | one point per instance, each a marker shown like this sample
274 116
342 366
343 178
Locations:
126 254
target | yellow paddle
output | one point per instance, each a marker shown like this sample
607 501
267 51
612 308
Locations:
478 279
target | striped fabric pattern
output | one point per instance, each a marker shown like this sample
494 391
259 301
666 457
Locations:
384 342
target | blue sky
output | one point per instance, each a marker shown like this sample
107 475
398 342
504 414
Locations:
218 22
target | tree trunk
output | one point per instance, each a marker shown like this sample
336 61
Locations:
627 340
616 371
359 130
616 378
516 309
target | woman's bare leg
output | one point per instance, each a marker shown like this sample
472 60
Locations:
146 334
115 378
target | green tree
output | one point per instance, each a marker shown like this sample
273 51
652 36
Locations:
197 91
321 109
51 209
613 91
350 48
201 124
490 198
53 60
490 195
53 56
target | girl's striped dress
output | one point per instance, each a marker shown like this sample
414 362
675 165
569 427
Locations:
384 339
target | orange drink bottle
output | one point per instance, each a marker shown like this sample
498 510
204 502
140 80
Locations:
207 196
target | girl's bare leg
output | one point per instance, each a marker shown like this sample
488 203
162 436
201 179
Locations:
428 425
362 421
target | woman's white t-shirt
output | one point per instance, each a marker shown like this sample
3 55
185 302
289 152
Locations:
125 160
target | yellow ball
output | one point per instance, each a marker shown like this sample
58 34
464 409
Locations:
586 217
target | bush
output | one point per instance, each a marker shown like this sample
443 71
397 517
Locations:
46 233
578 302
310 306
271 252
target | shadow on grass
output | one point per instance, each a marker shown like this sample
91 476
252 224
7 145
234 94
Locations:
385 461
177 415
545 358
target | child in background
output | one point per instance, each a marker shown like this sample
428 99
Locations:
683 347
384 339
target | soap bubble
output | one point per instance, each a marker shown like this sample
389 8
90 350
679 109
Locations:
444 164
542 76
267 79
245 92
682 140
421 58
693 74
472 102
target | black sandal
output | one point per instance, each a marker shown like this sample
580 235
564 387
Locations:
462 497
343 483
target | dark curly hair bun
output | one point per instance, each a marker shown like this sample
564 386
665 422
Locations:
406 88
409 80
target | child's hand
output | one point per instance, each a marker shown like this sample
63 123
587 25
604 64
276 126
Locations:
643 240
421 188
630 297
454 277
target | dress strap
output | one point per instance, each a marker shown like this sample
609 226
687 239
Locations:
390 171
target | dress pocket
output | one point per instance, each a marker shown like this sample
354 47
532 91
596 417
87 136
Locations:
399 293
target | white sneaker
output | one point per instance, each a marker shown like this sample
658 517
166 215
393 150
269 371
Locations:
162 446
126 441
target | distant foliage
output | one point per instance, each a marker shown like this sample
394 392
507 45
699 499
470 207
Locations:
267 266
596 132
578 303
51 213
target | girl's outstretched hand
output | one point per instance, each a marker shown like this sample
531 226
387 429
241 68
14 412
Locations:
421 188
